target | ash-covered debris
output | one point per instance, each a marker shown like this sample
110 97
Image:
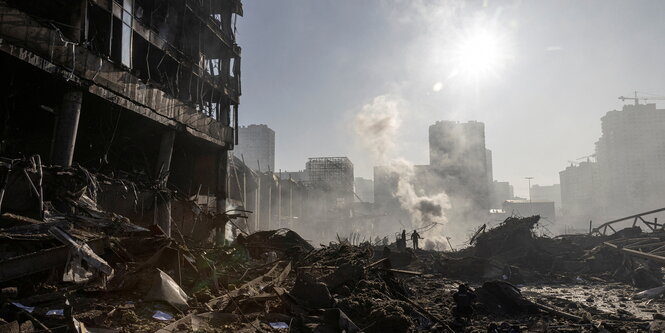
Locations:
73 266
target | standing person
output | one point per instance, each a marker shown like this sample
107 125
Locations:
415 236
463 298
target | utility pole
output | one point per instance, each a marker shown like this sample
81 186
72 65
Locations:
530 205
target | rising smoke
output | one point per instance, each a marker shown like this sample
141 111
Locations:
376 127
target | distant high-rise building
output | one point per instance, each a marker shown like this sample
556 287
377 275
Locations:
364 189
459 157
579 192
547 193
501 191
489 168
256 147
631 159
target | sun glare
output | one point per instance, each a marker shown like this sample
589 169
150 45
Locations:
478 55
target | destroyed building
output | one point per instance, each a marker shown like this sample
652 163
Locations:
117 186
142 87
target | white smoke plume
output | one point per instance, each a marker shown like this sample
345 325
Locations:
426 211
376 125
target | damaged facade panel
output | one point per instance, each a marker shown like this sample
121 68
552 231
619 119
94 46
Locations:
131 87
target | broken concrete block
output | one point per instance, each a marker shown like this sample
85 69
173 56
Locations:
349 273
165 289
314 294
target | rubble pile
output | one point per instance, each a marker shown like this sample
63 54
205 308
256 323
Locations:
512 252
69 265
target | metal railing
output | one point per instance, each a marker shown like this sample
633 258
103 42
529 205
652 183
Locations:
602 229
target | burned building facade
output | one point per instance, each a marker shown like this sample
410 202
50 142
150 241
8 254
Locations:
142 87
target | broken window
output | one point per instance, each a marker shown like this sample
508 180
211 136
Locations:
232 67
212 66
99 29
126 54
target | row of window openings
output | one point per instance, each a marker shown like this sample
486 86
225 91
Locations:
212 66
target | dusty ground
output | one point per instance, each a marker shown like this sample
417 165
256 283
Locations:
564 286
605 305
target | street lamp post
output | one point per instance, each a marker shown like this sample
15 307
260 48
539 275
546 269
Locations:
530 205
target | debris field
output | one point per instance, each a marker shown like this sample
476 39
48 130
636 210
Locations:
68 265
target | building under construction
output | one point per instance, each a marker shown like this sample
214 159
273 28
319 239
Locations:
142 87
333 175
330 195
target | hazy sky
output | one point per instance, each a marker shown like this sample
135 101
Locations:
539 74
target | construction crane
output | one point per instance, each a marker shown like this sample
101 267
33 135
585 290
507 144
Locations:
637 99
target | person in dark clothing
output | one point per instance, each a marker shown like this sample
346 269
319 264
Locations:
401 242
464 298
415 236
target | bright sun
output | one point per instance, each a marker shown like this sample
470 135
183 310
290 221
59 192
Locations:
478 55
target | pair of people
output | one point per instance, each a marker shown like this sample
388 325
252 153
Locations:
415 236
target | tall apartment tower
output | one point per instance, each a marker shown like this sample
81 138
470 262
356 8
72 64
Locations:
631 159
459 157
256 146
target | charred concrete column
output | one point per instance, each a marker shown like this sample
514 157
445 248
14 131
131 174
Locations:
163 167
64 140
164 158
221 193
